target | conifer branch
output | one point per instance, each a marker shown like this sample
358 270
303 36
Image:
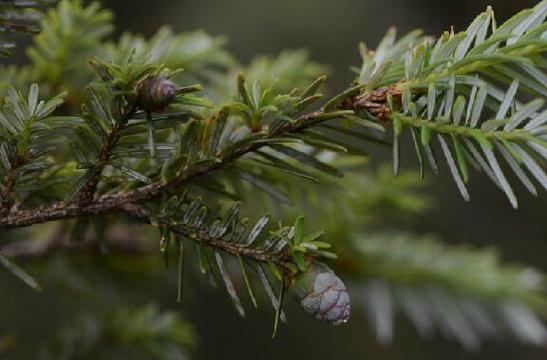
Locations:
467 90
109 203
195 233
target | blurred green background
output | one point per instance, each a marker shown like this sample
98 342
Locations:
330 30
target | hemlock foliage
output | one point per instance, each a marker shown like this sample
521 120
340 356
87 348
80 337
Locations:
78 146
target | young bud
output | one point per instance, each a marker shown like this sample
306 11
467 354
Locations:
320 292
155 93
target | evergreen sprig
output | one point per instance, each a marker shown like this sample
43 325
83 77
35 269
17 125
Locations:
462 293
71 35
26 142
468 91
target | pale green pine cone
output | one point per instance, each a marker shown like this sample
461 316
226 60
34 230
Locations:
320 292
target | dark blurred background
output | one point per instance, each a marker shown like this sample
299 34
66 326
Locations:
330 29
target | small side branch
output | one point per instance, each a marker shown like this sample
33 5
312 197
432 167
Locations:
88 191
190 232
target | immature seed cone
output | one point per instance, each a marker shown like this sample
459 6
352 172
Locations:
155 93
320 292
